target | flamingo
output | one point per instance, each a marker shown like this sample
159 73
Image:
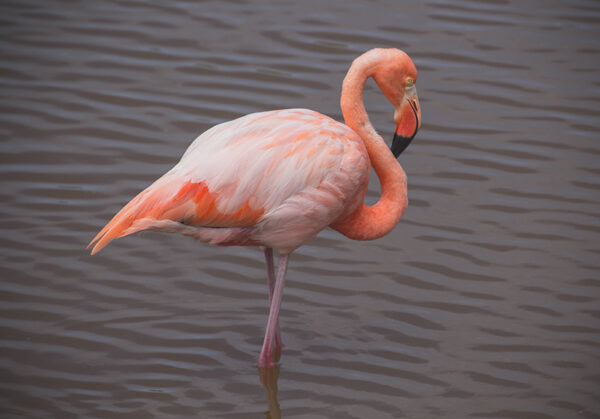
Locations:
275 179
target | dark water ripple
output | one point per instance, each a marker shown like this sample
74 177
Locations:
483 303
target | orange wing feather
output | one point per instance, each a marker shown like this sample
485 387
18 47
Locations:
191 203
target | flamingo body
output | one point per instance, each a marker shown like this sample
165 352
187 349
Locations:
273 179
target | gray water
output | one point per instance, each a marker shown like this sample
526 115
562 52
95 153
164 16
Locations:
482 303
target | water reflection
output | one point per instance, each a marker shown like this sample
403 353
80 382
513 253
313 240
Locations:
269 378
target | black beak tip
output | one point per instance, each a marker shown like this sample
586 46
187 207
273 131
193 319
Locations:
399 144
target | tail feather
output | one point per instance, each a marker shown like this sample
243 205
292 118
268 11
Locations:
119 223
150 203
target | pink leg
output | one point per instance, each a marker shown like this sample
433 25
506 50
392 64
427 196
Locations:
266 354
271 279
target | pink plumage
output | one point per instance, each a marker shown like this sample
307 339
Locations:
272 178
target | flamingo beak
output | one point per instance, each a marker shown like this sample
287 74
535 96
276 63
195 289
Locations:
408 121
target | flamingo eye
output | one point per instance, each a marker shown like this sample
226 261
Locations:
409 82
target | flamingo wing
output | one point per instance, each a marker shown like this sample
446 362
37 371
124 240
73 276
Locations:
285 174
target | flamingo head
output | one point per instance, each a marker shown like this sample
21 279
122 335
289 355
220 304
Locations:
396 76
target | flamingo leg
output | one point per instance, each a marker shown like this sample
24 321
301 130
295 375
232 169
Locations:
266 354
271 279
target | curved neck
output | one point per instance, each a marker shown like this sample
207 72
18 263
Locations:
371 222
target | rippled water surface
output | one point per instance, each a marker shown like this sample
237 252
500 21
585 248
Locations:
482 303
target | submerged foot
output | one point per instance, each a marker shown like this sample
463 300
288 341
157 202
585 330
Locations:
268 359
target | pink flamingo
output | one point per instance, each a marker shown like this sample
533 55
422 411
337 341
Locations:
275 179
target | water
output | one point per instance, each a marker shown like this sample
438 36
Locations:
482 303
